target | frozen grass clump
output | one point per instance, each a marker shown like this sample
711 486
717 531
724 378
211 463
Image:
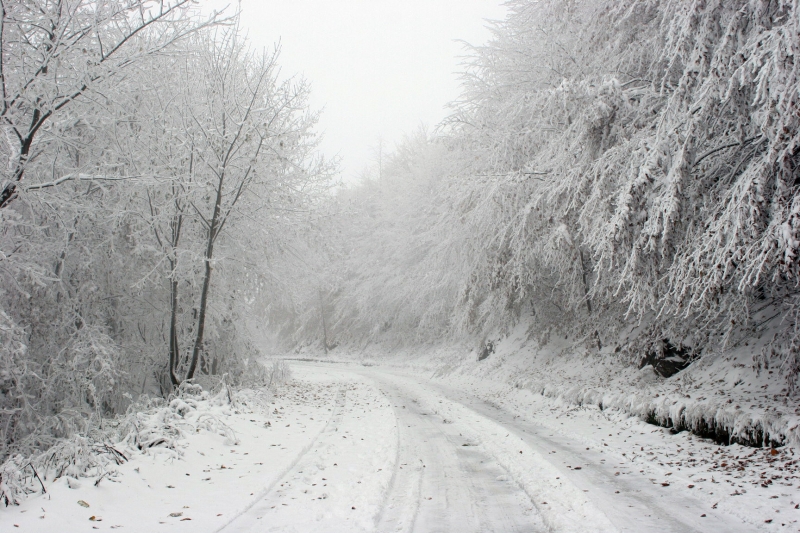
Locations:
150 426
15 483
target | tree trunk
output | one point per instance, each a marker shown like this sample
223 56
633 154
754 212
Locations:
177 224
201 319
324 324
585 282
586 295
173 331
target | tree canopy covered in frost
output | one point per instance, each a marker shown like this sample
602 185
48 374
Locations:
610 167
152 165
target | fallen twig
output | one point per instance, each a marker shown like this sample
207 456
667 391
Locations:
36 475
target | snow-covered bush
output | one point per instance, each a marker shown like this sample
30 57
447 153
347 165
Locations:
153 424
43 400
280 373
15 482
85 374
78 457
19 378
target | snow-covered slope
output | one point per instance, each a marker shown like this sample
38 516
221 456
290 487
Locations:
721 396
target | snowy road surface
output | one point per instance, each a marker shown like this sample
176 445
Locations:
349 448
414 456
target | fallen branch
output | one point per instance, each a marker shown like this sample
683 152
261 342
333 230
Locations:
36 475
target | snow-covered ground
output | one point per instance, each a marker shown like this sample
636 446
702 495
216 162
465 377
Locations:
644 477
348 447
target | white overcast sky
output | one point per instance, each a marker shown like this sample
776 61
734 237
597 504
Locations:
378 68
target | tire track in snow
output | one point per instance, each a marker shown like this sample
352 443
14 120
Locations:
339 484
341 396
448 483
561 505
404 491
632 504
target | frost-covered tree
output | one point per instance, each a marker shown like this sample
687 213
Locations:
248 161
196 160
53 52
644 171
608 165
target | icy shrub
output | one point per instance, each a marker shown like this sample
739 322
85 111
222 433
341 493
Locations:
151 423
15 483
149 426
40 403
85 374
74 457
19 376
280 374
79 457
254 374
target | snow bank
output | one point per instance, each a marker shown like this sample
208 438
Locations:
720 396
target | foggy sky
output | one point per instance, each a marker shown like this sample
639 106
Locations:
379 68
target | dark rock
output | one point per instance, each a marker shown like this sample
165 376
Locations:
486 351
668 359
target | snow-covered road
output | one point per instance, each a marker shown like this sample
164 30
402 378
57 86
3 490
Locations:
351 448
410 455
444 481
